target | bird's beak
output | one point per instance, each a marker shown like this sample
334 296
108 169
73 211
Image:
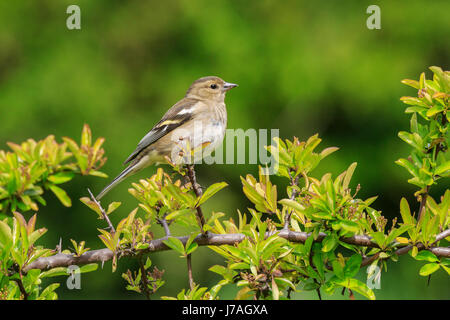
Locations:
227 86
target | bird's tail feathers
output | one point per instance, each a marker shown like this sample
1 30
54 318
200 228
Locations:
125 173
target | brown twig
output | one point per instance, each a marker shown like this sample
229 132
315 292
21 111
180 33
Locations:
423 202
163 222
287 219
105 216
144 278
198 192
189 267
318 290
441 236
21 287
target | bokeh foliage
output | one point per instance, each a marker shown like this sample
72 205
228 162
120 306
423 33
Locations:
300 67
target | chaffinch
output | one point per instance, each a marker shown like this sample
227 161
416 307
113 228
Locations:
190 130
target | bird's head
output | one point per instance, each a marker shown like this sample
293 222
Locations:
209 88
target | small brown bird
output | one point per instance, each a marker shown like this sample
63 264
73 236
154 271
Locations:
190 129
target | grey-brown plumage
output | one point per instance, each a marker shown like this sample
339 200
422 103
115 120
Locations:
198 122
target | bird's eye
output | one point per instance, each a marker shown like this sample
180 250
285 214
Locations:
213 86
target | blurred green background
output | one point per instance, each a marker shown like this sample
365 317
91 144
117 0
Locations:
304 67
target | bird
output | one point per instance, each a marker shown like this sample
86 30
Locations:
191 129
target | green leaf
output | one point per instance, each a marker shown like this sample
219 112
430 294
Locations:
98 174
311 286
92 205
190 245
89 267
177 213
55 272
348 175
405 211
238 253
275 291
357 286
251 193
349 226
212 190
61 177
413 101
219 270
447 269
327 151
113 206
442 168
292 204
329 243
408 166
142 246
434 110
175 244
5 234
352 265
411 83
395 232
318 262
148 263
426 255
239 265
86 136
35 235
379 238
414 125
61 195
410 139
48 293
338 269
428 269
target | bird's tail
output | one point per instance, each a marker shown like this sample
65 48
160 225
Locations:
125 173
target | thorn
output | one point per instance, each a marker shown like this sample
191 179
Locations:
59 246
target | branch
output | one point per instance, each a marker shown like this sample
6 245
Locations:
22 288
423 202
144 278
438 251
105 216
163 222
198 192
211 239
287 218
189 266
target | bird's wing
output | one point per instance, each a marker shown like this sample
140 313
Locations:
180 113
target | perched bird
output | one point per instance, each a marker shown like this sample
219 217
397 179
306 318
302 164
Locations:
196 122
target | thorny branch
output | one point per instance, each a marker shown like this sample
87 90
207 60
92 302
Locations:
105 216
211 239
